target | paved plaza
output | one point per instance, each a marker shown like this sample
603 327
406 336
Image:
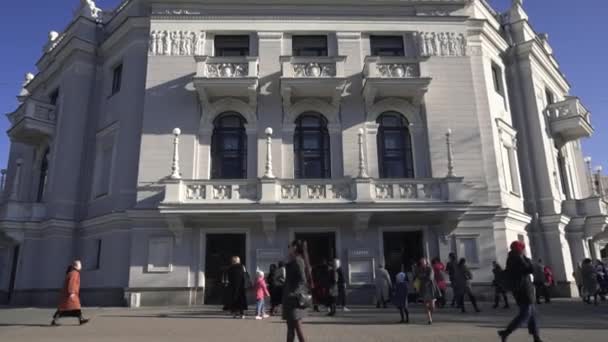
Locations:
561 322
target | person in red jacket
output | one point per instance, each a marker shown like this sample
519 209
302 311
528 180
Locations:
549 282
442 284
69 303
261 292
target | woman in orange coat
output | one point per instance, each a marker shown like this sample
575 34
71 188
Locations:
69 303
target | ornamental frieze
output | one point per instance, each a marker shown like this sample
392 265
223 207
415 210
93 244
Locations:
444 44
176 43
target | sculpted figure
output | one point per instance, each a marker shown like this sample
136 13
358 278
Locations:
182 43
434 38
167 43
462 44
452 44
174 43
153 38
188 43
443 38
92 10
422 46
160 46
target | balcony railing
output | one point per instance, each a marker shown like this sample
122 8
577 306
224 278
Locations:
312 67
226 67
33 109
569 119
311 191
391 67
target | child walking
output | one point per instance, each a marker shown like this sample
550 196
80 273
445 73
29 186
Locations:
400 297
261 292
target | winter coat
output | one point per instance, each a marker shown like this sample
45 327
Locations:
237 299
70 286
295 284
383 284
261 289
401 293
438 268
589 275
428 287
462 278
518 271
539 273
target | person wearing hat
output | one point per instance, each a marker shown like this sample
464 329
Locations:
518 271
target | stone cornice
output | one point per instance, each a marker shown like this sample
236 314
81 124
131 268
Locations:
483 27
125 28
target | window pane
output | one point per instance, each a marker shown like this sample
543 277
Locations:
309 45
387 45
468 247
394 169
394 140
313 168
228 148
311 141
231 45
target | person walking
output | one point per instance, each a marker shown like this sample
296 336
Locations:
261 292
428 290
498 283
540 282
578 278
69 302
341 286
450 267
383 286
400 297
295 291
517 273
590 284
462 285
237 299
442 284
278 282
332 288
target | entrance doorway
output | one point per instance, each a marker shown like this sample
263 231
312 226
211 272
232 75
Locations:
321 246
402 250
220 248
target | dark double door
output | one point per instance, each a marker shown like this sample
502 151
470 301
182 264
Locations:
402 250
220 248
321 246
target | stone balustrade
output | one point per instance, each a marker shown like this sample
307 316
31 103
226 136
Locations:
312 67
226 67
391 67
569 119
304 191
33 109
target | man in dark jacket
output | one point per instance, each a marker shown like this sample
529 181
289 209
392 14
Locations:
451 269
518 271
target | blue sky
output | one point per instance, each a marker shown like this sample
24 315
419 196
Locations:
577 32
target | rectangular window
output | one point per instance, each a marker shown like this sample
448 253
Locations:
54 97
468 248
116 79
309 46
514 172
549 97
387 45
231 46
103 170
93 253
160 255
497 79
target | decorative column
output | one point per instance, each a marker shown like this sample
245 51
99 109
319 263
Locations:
448 141
15 189
362 166
598 181
175 174
590 178
268 168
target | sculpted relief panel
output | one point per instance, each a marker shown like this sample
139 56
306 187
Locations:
176 43
445 44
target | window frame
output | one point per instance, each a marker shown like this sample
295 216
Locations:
225 38
498 79
320 51
218 154
167 241
303 154
43 174
461 252
400 50
406 152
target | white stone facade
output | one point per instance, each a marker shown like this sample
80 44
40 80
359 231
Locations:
98 171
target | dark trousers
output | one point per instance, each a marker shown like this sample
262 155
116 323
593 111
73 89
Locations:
341 296
70 313
500 292
527 314
405 314
542 290
469 293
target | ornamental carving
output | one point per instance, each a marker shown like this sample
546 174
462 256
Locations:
290 191
176 43
445 44
408 191
227 70
400 70
316 191
341 191
384 191
314 69
195 192
222 192
431 191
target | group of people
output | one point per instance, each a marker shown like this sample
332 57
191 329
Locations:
592 280
329 286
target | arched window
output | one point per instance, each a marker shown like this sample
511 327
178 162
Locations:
394 147
42 180
311 147
229 147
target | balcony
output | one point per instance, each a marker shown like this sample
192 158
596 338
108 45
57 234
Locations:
393 76
22 211
593 209
319 78
217 196
221 78
33 122
569 120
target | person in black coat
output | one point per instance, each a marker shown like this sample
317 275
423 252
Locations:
237 299
518 271
341 286
499 290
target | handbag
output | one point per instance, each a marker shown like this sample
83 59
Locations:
304 300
